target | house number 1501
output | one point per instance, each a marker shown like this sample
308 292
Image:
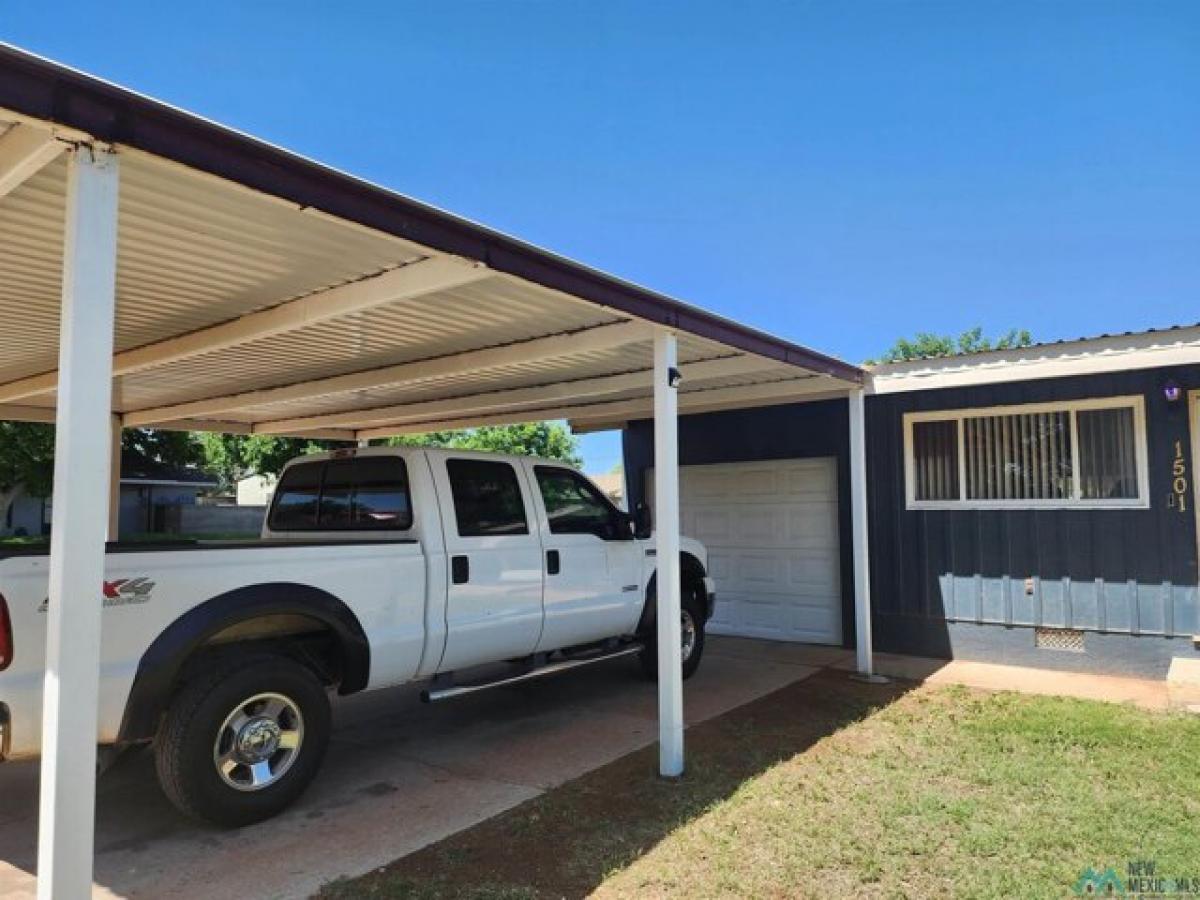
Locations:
1179 482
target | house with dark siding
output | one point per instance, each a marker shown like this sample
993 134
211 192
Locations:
1033 506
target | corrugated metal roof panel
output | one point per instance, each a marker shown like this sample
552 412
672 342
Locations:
197 252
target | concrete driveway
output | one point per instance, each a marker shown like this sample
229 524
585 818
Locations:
399 775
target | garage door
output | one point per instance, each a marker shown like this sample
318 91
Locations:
771 529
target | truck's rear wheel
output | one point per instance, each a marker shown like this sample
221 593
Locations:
242 740
691 633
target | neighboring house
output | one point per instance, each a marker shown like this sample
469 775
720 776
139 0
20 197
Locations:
256 490
148 489
1033 506
24 514
613 485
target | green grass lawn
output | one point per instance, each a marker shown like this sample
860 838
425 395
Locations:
830 788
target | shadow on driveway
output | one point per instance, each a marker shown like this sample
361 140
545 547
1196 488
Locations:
399 775
567 843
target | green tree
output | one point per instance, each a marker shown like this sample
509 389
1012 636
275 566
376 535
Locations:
927 344
232 457
26 458
549 440
27 453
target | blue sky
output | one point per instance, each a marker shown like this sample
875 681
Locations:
839 173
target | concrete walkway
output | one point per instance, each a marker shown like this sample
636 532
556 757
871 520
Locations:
1145 693
399 775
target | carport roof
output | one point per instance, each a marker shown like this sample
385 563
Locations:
260 291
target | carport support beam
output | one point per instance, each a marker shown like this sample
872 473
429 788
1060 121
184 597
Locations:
666 544
83 441
858 516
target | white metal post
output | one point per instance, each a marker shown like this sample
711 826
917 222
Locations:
81 489
114 478
666 545
858 517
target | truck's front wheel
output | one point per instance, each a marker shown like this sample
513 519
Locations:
691 633
243 739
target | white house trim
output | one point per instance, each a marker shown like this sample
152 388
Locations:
1089 356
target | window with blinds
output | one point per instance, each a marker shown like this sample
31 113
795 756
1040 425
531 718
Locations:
1090 452
935 449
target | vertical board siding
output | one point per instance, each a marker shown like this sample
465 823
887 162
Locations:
1118 571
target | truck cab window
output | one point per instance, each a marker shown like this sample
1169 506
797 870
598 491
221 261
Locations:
574 505
487 498
297 498
363 494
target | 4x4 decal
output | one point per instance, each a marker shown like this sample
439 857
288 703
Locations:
119 592
132 590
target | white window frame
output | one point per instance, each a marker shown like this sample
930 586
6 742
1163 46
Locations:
1136 402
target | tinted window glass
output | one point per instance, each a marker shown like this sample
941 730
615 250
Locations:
296 498
487 498
573 504
381 499
366 494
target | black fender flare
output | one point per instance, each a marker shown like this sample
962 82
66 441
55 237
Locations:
689 568
159 668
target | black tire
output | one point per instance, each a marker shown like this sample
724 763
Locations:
693 605
187 744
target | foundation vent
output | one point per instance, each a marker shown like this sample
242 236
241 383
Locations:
1069 640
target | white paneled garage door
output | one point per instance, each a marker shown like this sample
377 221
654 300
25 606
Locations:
771 529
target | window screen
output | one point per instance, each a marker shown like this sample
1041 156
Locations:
487 498
573 505
363 494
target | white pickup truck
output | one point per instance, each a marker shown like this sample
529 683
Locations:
376 567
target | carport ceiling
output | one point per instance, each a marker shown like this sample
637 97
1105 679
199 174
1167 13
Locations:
260 292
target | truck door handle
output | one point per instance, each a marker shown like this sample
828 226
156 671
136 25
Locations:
553 563
460 569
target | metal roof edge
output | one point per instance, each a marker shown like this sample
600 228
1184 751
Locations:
1167 347
40 88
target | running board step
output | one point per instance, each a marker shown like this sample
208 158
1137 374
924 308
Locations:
432 695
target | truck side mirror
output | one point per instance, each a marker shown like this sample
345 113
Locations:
643 527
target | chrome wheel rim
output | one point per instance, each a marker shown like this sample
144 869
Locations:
258 742
687 635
